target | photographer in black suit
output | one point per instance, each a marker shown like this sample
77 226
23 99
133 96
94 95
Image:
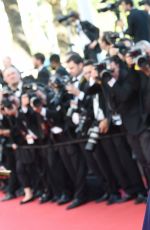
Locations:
43 73
125 93
90 34
73 156
138 22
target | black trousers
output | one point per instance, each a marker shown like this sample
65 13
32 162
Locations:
25 172
129 165
59 176
75 164
113 159
43 181
140 144
102 168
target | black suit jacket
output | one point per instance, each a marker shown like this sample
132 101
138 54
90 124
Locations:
43 76
91 31
125 98
138 25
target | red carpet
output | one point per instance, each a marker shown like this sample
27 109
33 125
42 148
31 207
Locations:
88 217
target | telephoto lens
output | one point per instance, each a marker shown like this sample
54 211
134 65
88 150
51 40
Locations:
93 138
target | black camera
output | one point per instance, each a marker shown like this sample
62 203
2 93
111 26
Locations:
104 72
141 3
140 58
36 102
7 100
111 37
122 48
63 18
93 134
111 7
114 7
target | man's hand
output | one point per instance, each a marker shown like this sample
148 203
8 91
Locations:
73 90
93 44
120 24
104 126
5 132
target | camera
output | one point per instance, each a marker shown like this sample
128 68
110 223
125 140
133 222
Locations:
104 72
114 7
122 48
111 37
7 100
93 138
141 3
63 18
140 58
36 102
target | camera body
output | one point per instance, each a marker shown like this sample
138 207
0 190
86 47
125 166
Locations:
140 58
104 72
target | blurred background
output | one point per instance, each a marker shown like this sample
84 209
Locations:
31 26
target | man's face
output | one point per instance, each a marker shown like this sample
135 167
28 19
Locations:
94 73
11 77
103 44
124 7
36 62
11 111
53 65
74 69
87 70
115 70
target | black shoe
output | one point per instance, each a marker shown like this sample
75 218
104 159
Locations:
64 199
126 198
76 203
103 198
27 201
141 199
113 199
55 199
44 198
8 196
20 192
37 194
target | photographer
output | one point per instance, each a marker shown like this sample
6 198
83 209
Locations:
119 71
89 34
43 73
8 157
72 156
138 22
117 165
24 157
125 91
13 81
56 65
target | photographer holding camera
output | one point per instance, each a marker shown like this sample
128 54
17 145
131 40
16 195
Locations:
134 187
125 94
138 22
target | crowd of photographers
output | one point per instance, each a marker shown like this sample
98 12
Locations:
88 120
